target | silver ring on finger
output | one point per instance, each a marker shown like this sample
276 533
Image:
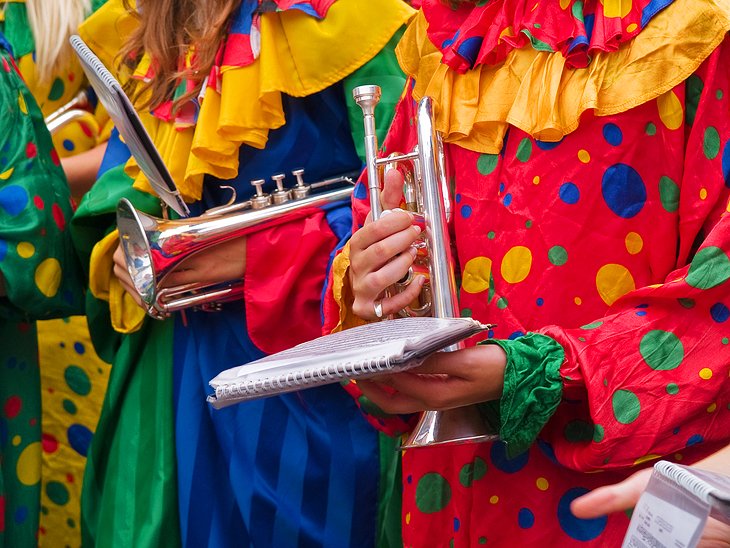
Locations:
378 309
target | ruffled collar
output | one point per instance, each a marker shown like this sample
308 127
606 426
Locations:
484 33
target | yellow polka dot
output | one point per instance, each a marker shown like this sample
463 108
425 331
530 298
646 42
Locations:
21 104
706 373
678 456
616 8
29 464
646 458
584 156
5 175
712 407
614 281
494 499
25 249
516 264
564 4
670 110
536 181
632 27
542 484
578 301
48 277
408 518
634 243
476 275
703 194
506 32
535 6
17 440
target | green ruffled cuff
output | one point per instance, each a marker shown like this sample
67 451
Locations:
532 389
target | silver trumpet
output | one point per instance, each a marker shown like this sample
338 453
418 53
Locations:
154 247
76 108
426 193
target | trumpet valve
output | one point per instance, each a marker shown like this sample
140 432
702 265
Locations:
280 195
300 190
261 199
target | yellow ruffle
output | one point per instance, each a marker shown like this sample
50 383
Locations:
126 315
342 292
536 92
300 55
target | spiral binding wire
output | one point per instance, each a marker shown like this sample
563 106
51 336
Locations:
688 481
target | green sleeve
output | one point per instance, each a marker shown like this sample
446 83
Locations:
382 70
39 266
532 389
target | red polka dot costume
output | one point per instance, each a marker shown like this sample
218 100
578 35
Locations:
592 227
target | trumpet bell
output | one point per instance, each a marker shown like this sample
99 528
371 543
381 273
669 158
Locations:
134 228
453 426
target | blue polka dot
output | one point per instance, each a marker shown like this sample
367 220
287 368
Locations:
719 312
499 458
3 249
623 190
501 187
68 144
457 524
507 200
21 514
612 134
79 348
525 518
490 334
79 438
641 313
446 43
675 431
643 305
409 479
540 301
360 191
694 440
13 199
469 49
578 529
588 22
466 211
726 164
569 193
516 335
457 197
547 450
544 145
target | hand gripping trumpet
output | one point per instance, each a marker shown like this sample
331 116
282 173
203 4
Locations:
427 195
154 247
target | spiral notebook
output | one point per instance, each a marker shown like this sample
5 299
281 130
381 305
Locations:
130 127
361 352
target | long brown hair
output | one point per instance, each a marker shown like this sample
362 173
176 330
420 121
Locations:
166 31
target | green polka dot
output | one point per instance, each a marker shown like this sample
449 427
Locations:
57 492
528 224
598 433
472 471
557 255
69 407
491 235
661 350
582 339
672 389
77 380
524 150
592 325
686 303
626 406
605 382
537 44
669 194
71 523
482 540
650 129
502 303
487 163
433 493
577 10
724 340
719 94
709 268
44 510
692 97
578 431
466 313
537 25
57 89
711 143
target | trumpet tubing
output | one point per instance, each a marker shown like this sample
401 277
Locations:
154 247
76 108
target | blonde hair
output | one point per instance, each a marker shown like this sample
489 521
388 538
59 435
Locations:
52 23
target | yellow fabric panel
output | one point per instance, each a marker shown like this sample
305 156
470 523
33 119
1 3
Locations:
536 92
342 292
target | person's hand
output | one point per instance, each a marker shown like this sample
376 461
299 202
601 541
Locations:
625 495
381 253
220 263
444 381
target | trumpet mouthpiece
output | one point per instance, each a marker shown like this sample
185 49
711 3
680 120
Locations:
366 96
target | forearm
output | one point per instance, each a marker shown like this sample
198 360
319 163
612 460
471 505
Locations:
81 169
